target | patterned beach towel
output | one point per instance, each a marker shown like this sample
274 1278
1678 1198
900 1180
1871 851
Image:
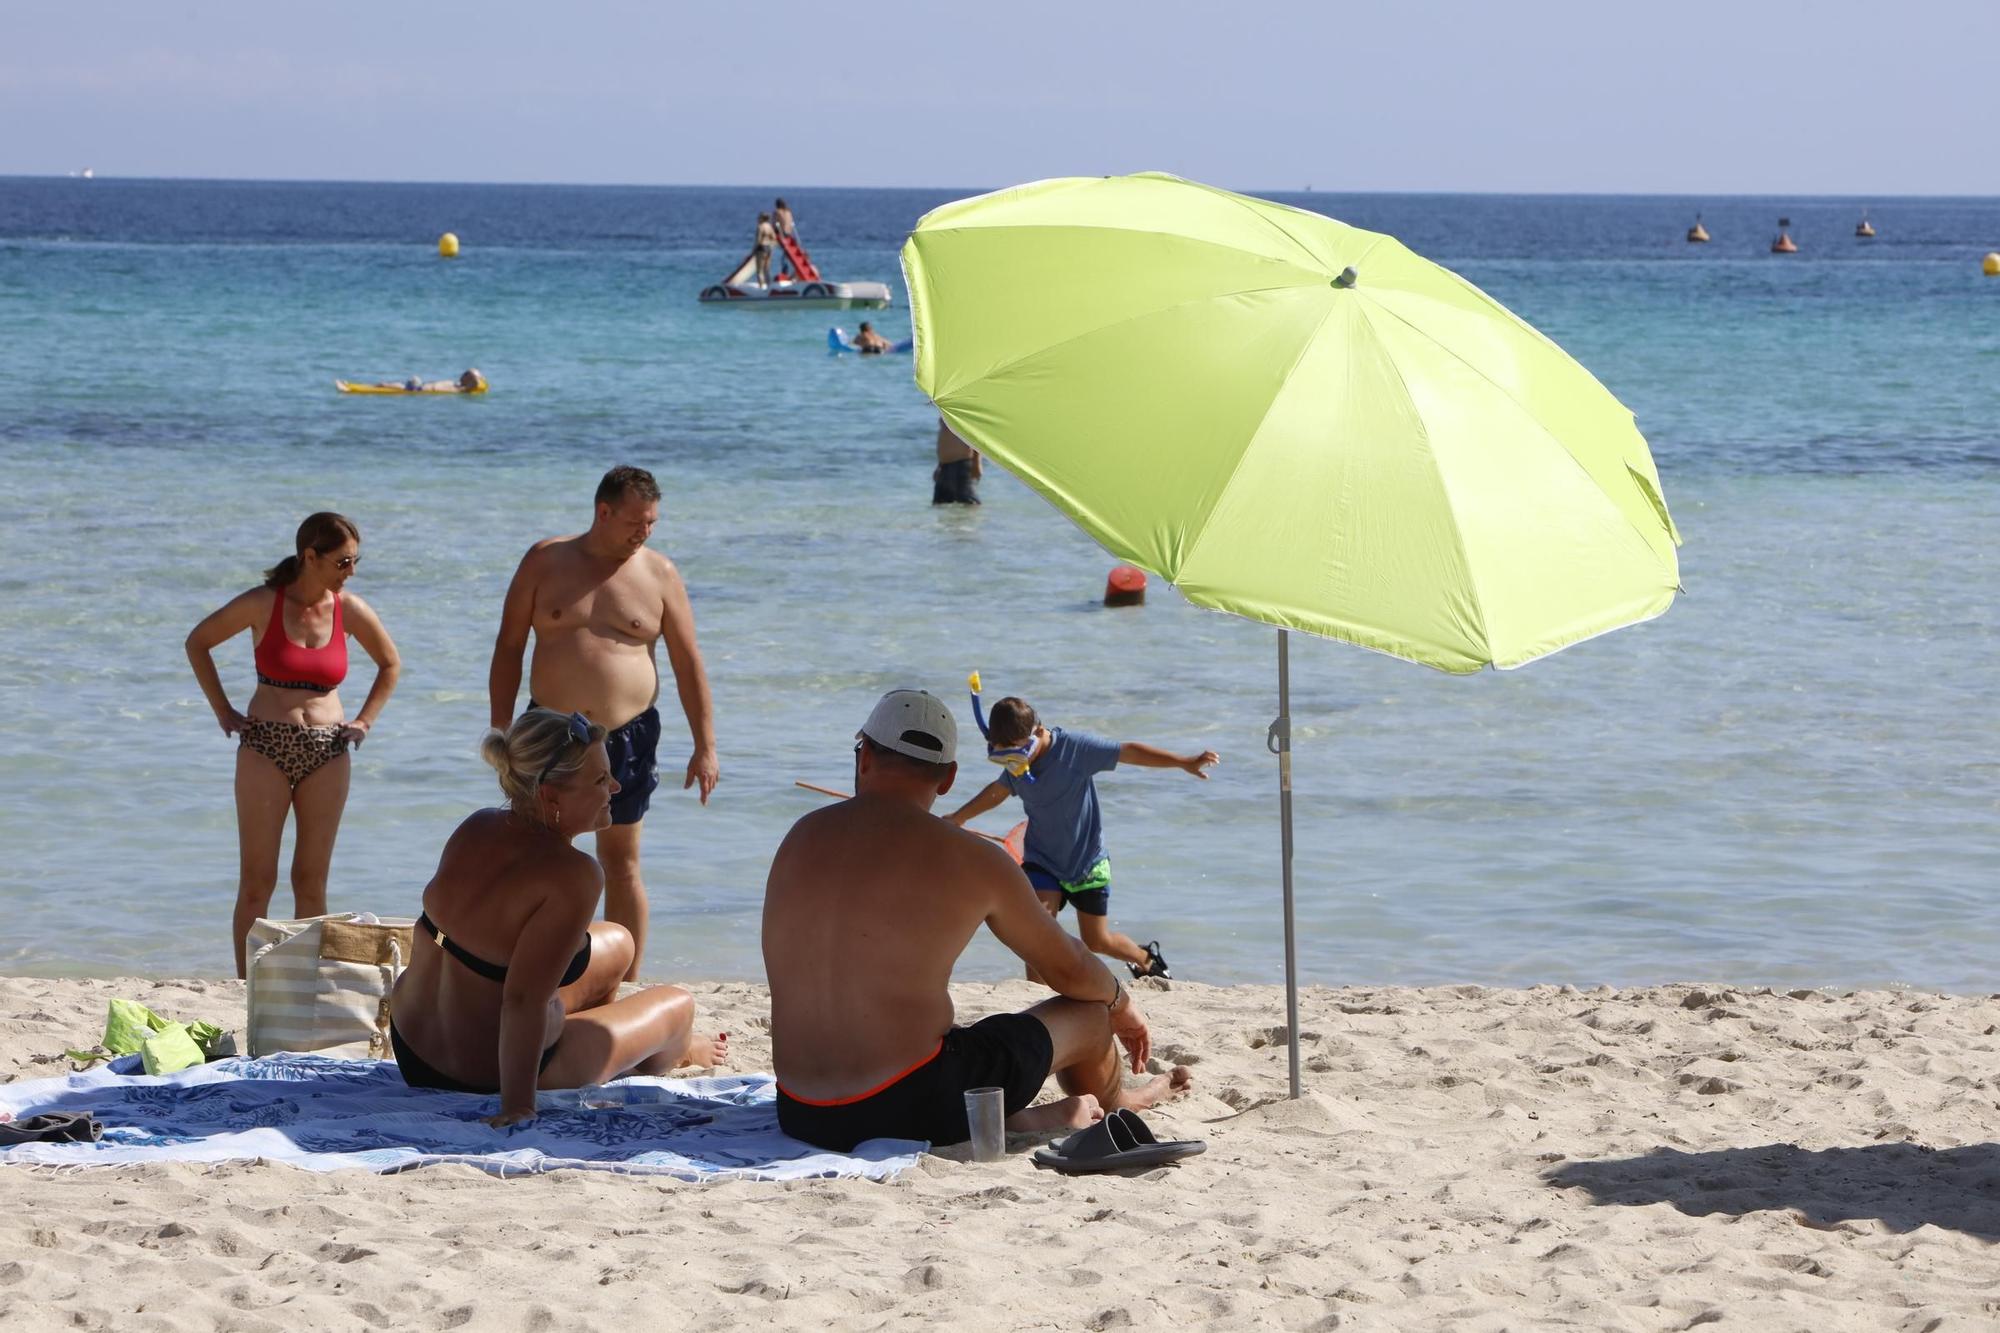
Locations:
326 1114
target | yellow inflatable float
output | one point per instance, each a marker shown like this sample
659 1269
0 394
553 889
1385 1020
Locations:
470 382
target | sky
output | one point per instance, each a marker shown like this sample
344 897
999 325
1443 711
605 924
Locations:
1779 97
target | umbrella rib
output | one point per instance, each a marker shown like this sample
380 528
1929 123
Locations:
1457 532
1243 202
991 371
1250 440
1314 269
1521 408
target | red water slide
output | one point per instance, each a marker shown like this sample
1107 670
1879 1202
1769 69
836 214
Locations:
800 261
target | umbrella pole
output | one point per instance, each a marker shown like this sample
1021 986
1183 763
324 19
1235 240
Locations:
1279 742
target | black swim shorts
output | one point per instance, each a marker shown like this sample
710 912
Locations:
954 484
1012 1052
634 753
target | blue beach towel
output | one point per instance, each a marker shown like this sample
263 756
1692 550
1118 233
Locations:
325 1115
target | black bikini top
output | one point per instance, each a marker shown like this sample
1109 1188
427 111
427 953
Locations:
494 971
472 961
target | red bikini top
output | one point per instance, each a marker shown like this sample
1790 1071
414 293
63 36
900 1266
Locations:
288 666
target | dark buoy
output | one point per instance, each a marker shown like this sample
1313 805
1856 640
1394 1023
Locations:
1125 587
1784 245
1697 234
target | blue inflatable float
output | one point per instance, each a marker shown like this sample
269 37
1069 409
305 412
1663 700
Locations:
837 342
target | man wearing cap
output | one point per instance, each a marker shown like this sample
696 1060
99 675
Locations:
868 906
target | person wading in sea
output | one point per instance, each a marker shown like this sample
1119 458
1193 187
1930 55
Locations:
597 604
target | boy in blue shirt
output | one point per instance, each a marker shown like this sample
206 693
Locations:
1053 770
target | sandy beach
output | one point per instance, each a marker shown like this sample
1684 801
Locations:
1464 1157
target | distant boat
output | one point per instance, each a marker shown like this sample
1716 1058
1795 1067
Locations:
1784 245
1864 228
88 173
1697 234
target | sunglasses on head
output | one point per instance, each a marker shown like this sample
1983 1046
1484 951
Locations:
579 731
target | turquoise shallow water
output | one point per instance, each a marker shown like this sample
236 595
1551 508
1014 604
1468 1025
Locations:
1791 777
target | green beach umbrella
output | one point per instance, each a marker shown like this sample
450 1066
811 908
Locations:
1291 420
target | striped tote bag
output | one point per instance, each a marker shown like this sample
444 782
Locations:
322 983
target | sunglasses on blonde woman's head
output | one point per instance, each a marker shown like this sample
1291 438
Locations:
579 731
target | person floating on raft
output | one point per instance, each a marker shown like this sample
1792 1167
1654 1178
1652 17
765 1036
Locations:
470 382
1053 771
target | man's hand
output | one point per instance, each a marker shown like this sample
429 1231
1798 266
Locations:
509 1118
1129 1026
1193 764
702 768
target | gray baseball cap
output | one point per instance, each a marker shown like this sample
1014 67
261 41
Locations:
914 723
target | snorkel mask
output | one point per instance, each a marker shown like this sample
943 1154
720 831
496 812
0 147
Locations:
1014 758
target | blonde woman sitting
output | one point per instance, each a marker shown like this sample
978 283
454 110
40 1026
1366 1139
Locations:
520 990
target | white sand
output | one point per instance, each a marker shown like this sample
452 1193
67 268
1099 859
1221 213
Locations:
1465 1158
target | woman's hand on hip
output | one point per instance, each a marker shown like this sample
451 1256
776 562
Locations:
355 732
231 721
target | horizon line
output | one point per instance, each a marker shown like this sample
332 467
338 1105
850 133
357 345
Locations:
984 189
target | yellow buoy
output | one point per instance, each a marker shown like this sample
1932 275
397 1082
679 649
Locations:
448 245
1990 266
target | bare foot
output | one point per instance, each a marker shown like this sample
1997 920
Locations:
707 1051
1170 1086
1069 1113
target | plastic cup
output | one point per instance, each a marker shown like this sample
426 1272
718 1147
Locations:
603 1097
986 1113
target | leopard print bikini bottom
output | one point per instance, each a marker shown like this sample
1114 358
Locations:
297 750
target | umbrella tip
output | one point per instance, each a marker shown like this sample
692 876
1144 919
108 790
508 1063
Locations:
1347 277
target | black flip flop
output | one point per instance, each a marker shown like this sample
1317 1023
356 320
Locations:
1154 966
51 1127
1120 1141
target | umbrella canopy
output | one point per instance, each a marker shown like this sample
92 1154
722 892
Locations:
1292 420
1289 418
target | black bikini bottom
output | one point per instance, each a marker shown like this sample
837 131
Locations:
420 1073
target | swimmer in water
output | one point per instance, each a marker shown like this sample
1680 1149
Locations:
868 342
470 382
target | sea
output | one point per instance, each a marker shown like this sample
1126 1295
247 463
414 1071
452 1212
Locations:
1792 778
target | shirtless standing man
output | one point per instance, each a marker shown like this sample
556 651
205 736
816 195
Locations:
597 603
868 906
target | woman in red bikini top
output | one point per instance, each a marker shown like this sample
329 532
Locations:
292 743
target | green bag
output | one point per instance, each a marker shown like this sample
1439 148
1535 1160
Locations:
162 1045
170 1049
128 1025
